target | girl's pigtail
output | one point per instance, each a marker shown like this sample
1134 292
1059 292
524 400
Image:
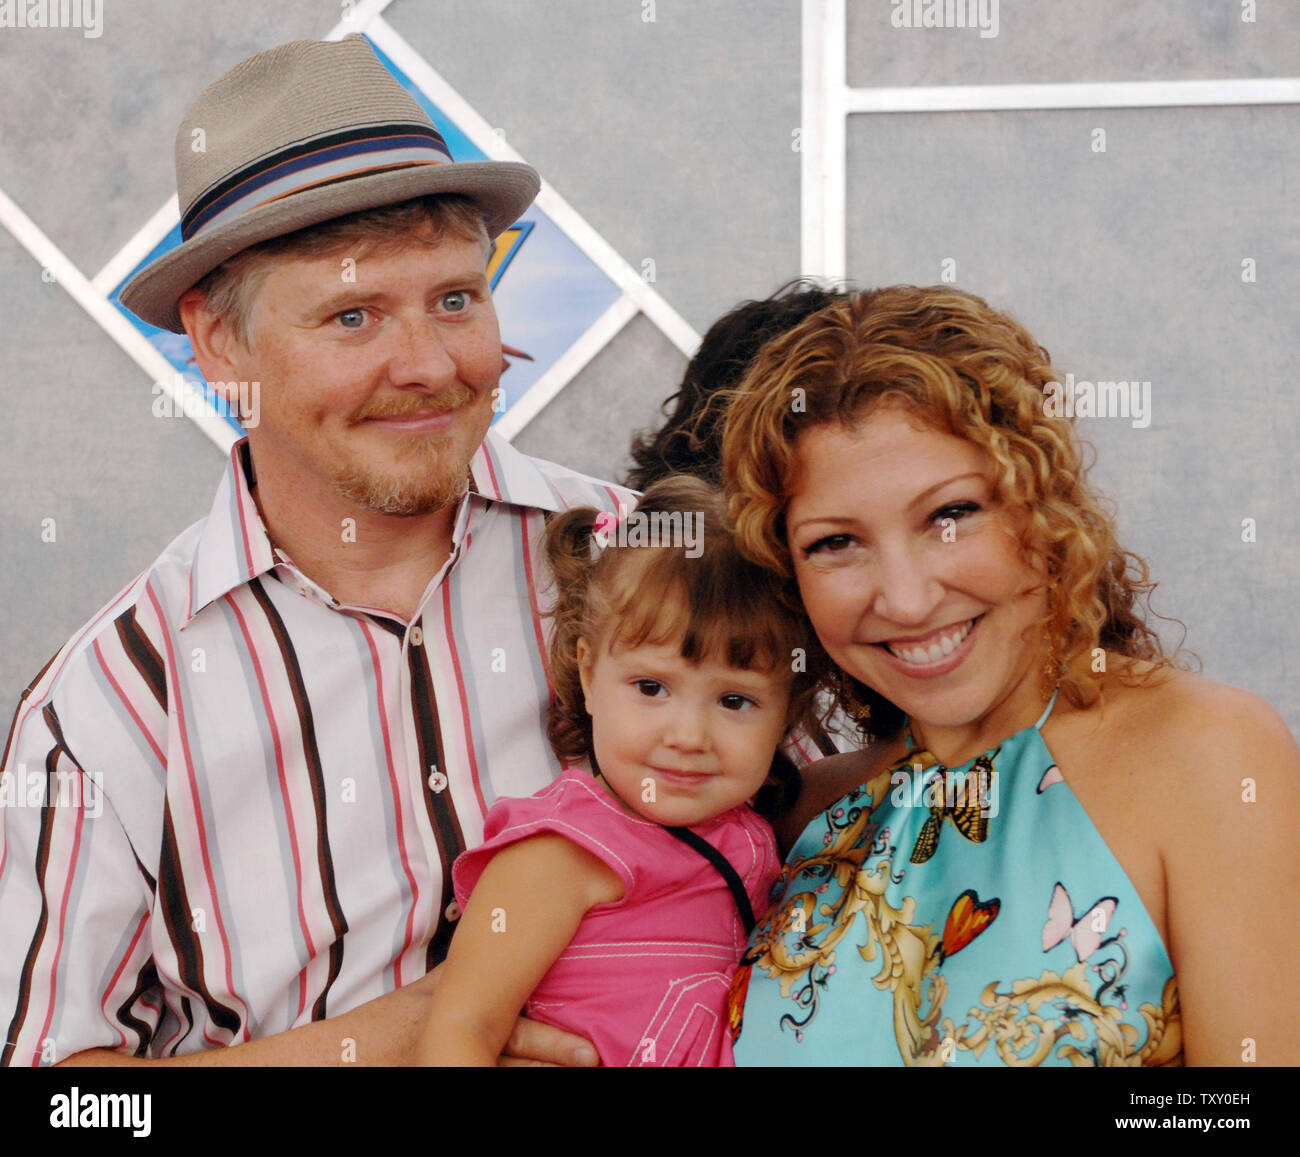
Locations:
568 547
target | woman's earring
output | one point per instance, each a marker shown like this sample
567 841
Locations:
1051 665
848 696
1051 672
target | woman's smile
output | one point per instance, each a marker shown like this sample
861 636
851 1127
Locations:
936 653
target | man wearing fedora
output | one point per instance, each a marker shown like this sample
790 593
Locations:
262 757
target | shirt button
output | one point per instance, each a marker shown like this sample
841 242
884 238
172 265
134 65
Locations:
416 636
453 911
437 780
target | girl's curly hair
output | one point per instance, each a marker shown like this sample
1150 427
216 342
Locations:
702 596
968 370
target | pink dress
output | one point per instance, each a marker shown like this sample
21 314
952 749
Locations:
644 979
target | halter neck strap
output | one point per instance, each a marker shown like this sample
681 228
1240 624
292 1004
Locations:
1043 717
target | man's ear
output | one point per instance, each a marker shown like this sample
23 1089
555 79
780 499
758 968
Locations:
217 350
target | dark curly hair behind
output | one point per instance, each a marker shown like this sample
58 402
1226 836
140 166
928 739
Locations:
690 442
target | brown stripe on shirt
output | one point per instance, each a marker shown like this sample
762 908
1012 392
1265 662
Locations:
316 780
437 804
177 919
143 654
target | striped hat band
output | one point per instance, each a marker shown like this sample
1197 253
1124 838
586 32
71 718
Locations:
339 157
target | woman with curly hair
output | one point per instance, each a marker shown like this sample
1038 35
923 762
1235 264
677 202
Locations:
1060 846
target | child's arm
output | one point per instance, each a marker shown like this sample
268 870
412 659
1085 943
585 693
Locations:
522 914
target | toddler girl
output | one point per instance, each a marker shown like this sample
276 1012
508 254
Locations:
616 902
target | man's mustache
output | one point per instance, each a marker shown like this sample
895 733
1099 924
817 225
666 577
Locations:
452 398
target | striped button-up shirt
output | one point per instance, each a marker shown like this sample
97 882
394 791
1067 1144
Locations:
255 793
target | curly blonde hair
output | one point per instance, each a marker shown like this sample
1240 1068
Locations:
707 599
965 369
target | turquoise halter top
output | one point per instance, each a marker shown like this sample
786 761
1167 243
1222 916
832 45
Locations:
940 916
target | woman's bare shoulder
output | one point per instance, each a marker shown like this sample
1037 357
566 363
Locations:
1158 735
1176 714
1174 735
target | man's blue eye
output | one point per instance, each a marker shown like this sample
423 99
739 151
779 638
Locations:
358 314
455 302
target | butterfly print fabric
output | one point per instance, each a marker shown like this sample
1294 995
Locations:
965 916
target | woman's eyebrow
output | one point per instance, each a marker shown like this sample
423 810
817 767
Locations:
920 498
839 520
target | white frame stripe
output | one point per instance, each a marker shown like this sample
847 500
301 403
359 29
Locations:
357 17
1109 94
828 102
823 137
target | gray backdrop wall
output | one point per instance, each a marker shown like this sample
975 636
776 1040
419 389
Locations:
673 138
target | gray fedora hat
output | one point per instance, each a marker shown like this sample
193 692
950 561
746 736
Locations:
297 135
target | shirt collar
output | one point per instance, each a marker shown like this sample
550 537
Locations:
234 547
503 474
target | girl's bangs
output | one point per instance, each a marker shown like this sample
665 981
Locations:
707 616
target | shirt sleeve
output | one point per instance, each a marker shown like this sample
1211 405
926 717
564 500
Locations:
566 809
76 970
